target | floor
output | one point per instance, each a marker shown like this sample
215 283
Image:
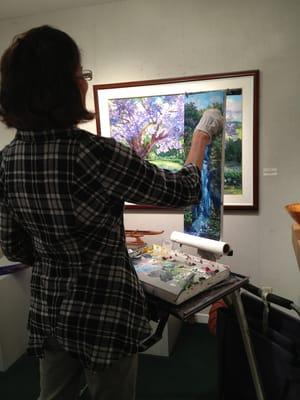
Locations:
190 373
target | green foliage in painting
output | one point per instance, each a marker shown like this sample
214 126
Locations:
233 152
188 218
233 180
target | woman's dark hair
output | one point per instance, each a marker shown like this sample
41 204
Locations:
39 88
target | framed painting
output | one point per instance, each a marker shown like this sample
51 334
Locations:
120 112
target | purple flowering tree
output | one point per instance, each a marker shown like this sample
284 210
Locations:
148 123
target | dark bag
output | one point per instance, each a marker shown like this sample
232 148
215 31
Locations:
277 350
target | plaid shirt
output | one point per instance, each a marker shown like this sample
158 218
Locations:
61 196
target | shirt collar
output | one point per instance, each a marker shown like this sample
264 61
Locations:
46 135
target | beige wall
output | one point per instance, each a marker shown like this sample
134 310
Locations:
140 39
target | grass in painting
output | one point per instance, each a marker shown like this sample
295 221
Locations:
167 164
233 180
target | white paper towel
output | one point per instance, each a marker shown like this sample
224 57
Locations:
211 246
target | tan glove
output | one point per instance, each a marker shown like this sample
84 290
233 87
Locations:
211 122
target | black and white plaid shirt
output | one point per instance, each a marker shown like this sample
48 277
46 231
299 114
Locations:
61 195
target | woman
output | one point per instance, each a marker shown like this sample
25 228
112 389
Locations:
62 192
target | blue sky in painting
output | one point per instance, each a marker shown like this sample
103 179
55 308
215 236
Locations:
234 107
204 99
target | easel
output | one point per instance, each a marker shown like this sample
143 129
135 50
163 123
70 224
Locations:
229 290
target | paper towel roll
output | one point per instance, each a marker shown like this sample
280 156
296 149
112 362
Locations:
212 246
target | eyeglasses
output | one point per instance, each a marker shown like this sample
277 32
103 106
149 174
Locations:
87 74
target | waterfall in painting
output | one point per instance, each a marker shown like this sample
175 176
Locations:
205 219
